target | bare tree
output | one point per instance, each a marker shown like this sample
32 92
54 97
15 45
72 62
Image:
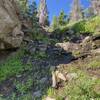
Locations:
43 13
76 13
95 4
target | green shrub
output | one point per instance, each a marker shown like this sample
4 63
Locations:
92 24
79 27
89 26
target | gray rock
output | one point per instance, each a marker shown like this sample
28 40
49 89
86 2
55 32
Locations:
68 47
87 39
37 93
49 98
10 26
43 80
96 51
66 98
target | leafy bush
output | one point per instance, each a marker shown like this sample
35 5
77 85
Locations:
93 24
89 26
79 27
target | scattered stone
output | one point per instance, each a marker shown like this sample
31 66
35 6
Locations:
54 80
49 98
71 76
43 80
96 44
96 51
42 47
56 77
87 39
66 98
58 66
60 75
37 94
92 99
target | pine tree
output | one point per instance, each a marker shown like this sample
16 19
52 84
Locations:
43 13
54 23
76 13
62 18
32 14
95 4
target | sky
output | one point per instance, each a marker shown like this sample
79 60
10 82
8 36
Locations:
55 6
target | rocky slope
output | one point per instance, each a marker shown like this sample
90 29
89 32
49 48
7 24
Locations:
62 66
54 67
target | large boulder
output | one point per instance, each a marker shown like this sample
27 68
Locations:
68 46
10 26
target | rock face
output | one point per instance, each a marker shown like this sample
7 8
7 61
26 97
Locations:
10 26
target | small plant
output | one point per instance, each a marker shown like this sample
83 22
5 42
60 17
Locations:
94 64
77 53
84 26
24 87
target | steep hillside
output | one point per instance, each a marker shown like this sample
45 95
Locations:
30 73
56 62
